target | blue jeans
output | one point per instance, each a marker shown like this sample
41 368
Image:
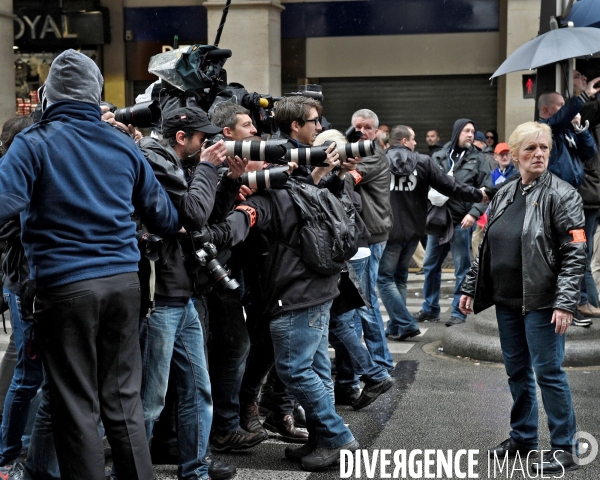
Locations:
42 463
26 380
351 356
173 336
530 345
300 341
435 254
391 282
369 319
589 292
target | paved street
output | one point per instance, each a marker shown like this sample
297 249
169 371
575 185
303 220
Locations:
438 402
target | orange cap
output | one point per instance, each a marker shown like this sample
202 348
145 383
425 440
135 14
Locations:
502 147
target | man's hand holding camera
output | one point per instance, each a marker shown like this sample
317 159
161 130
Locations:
332 160
237 166
215 154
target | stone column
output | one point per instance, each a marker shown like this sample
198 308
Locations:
114 56
253 33
519 23
7 62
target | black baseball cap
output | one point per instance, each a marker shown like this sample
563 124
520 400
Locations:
188 118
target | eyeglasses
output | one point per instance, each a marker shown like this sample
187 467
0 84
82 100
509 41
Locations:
489 137
316 121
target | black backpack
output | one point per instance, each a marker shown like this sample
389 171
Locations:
328 233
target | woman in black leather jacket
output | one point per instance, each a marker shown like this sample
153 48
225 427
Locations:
534 233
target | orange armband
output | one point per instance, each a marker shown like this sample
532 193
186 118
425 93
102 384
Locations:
250 211
578 236
356 175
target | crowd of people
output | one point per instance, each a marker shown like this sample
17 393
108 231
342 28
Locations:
159 291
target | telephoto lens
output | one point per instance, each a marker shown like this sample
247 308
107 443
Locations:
275 177
142 115
271 151
314 156
362 148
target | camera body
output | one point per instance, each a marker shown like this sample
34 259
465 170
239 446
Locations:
206 265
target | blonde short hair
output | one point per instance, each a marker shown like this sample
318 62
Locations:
525 132
330 136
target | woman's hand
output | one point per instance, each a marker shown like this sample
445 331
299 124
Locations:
562 319
466 304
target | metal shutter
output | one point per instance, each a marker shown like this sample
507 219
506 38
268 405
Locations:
420 102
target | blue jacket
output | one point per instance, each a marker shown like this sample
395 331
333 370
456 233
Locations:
499 177
76 181
566 158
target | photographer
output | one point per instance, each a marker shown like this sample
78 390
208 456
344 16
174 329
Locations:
228 342
172 334
295 300
236 348
299 121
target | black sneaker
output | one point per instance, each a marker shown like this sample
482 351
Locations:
555 461
580 321
295 454
346 396
238 440
422 316
455 321
509 448
321 458
219 470
404 336
371 392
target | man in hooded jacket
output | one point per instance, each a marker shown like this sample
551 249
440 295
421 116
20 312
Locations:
412 175
76 181
467 164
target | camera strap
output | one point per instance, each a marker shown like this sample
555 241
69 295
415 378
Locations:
152 280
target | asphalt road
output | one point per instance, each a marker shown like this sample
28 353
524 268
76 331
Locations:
438 403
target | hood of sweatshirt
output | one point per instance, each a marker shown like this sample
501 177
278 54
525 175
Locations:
402 160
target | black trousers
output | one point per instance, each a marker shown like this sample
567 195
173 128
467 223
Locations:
88 337
228 347
261 360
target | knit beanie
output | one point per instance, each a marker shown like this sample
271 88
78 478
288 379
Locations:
74 76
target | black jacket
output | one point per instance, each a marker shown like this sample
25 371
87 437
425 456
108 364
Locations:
14 262
472 168
371 180
412 175
553 256
276 279
590 186
194 202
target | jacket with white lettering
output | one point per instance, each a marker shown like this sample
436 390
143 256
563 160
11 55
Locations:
412 175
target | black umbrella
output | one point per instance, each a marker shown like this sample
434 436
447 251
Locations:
552 47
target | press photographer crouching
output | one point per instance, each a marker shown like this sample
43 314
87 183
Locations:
171 333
